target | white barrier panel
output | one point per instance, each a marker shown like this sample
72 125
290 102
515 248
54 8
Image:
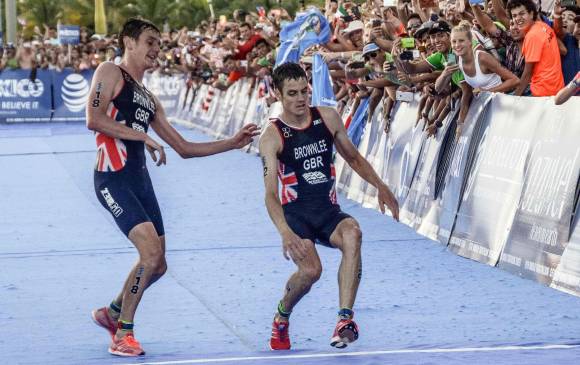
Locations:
463 152
419 209
542 219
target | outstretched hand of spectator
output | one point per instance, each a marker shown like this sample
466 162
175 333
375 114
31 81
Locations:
432 130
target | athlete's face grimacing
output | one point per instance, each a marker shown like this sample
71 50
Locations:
295 96
147 48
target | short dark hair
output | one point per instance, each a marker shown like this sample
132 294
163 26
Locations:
287 71
245 24
133 28
227 58
414 15
261 41
572 8
528 4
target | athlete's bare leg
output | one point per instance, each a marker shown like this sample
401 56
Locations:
156 276
150 267
347 237
309 270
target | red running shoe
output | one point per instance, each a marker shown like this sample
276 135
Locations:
126 346
346 331
102 318
280 339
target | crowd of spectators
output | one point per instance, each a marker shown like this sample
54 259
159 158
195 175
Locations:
445 49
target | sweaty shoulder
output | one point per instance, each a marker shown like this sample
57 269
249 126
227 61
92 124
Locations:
111 74
271 139
108 70
331 118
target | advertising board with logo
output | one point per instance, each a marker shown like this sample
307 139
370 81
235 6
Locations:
405 142
495 182
464 151
71 93
541 227
420 208
23 99
167 89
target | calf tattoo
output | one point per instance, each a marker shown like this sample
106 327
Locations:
138 274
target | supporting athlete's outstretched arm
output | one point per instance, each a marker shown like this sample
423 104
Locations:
106 83
292 245
358 163
187 149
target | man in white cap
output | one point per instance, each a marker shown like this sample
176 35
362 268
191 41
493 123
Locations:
351 38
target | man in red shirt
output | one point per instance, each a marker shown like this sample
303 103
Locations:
543 69
247 42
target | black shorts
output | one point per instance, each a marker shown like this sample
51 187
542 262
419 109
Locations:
316 223
128 195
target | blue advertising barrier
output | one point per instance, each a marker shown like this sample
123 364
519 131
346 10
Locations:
23 99
63 96
71 92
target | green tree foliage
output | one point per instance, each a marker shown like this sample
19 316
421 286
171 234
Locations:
177 13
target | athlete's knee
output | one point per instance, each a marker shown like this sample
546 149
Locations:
352 234
352 239
312 273
154 260
161 268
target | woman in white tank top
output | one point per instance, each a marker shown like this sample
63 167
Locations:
480 69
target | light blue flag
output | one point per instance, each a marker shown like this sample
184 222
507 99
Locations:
308 29
357 126
322 93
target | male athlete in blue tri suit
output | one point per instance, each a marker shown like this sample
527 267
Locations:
120 111
296 148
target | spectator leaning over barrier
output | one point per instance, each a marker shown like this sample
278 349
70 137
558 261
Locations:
351 38
374 78
480 69
236 70
393 25
566 93
258 58
513 40
413 23
440 37
439 34
248 39
564 28
543 69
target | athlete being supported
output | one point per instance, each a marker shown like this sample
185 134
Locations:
296 148
120 111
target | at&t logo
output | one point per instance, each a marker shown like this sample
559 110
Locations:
75 92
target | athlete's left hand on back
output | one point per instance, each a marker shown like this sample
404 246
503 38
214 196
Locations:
245 135
386 197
